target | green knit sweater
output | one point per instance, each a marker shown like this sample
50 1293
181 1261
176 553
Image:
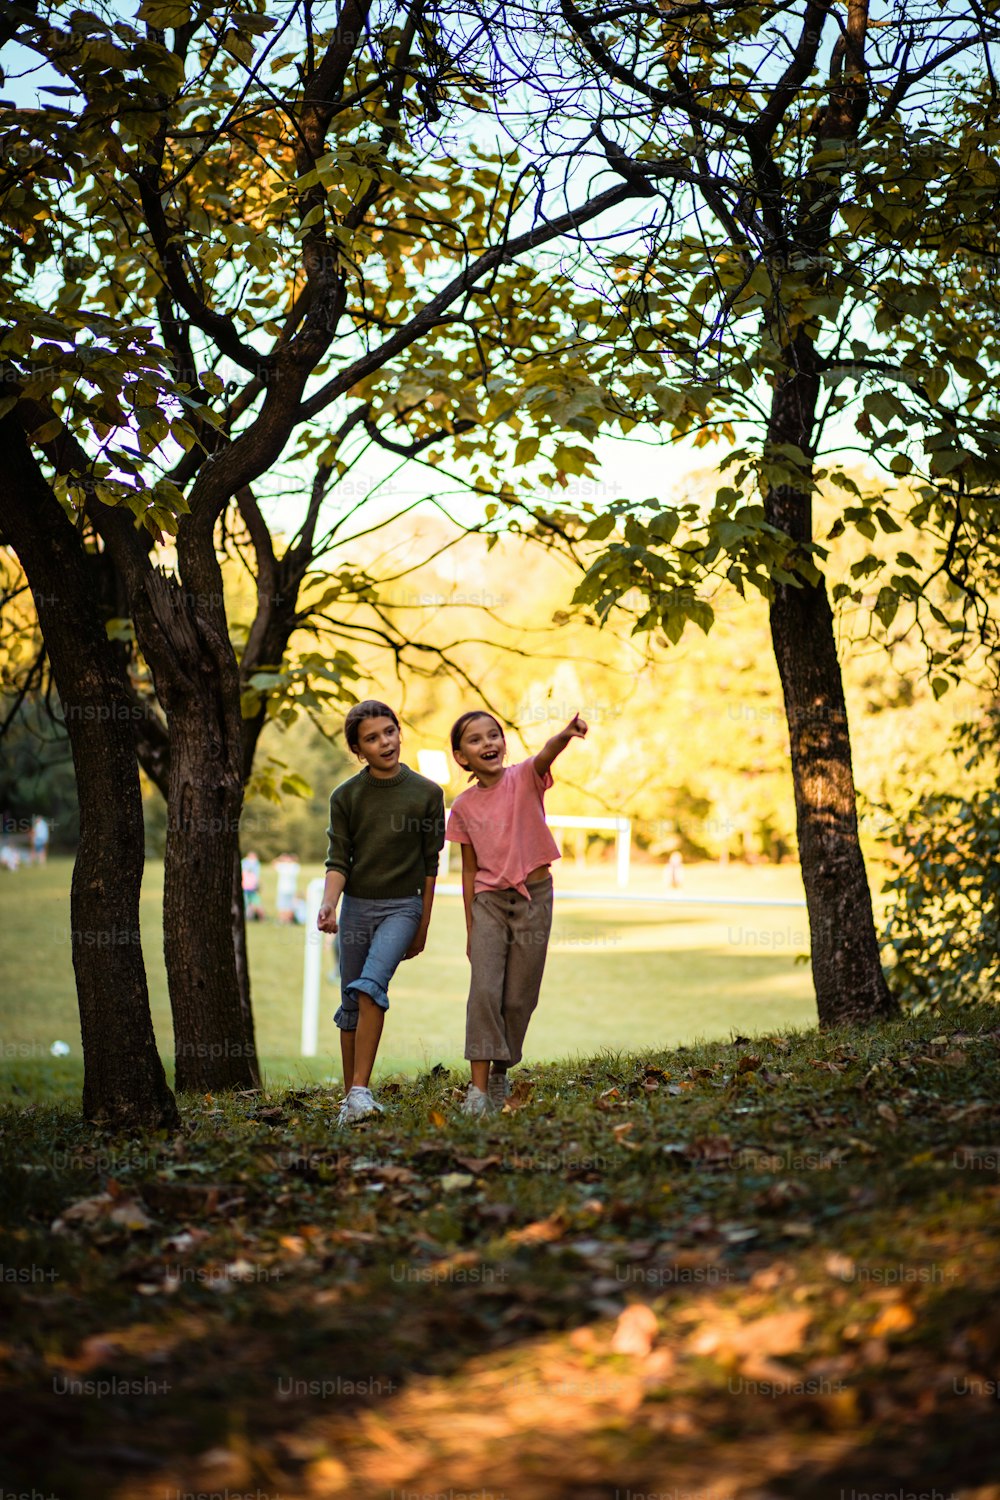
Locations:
386 835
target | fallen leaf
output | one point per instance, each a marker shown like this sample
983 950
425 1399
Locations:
520 1094
779 1194
478 1164
749 1063
711 1148
126 1213
83 1211
898 1317
130 1214
397 1174
636 1330
541 1232
273 1116
452 1182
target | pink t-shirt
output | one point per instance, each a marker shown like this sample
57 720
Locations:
505 824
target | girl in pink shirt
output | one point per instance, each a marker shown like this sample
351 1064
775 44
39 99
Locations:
507 851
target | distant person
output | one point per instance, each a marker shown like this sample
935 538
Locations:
250 870
507 853
287 867
675 869
39 839
385 837
10 857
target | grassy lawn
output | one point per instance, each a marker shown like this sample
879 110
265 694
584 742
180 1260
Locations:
619 977
761 1270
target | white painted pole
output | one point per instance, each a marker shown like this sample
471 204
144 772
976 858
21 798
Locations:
313 965
623 841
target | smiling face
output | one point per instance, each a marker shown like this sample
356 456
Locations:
378 746
482 748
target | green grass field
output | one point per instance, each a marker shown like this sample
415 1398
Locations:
619 976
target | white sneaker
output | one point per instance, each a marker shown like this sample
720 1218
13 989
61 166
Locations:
357 1106
499 1088
477 1102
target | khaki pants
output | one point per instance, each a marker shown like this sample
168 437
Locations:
510 936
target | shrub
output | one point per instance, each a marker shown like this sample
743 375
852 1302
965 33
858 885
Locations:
942 927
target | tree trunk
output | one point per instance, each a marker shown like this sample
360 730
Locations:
847 973
214 1043
152 748
124 1082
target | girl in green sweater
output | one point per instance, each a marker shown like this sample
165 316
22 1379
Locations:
385 835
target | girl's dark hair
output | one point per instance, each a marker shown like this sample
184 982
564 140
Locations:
458 728
370 709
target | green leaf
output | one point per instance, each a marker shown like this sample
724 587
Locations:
48 431
164 14
238 46
120 630
886 605
935 382
600 527
295 786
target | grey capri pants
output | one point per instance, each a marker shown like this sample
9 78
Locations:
509 941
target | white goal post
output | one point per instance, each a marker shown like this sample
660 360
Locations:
313 967
620 827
